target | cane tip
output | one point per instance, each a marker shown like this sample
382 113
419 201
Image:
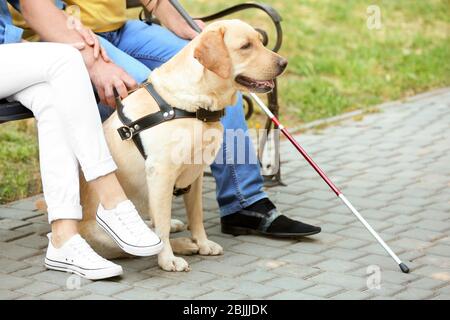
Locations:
404 267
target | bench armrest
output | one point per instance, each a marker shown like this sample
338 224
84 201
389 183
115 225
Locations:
271 12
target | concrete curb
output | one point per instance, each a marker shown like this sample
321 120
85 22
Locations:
382 106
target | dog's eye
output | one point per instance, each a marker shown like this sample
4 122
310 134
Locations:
246 46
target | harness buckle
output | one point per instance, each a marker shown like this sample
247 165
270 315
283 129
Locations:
126 133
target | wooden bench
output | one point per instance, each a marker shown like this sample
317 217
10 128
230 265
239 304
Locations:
11 111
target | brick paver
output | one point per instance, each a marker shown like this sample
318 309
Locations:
393 166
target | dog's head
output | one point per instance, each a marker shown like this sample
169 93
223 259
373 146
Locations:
233 50
227 57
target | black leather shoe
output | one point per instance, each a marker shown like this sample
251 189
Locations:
263 218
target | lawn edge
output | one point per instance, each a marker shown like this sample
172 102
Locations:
382 106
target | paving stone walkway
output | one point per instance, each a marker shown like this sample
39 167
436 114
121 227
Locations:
393 165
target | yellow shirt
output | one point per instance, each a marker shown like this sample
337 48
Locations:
18 21
99 15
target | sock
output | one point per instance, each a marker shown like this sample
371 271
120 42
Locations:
261 206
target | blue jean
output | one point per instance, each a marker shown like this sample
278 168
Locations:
139 48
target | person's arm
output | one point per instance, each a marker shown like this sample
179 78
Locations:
171 19
88 36
52 25
149 4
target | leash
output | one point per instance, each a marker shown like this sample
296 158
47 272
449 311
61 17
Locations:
131 129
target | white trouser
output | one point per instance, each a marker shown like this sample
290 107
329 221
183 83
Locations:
51 80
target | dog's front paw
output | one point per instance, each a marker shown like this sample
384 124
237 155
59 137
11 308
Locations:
209 248
176 226
174 264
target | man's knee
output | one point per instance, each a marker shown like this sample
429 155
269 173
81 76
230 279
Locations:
159 44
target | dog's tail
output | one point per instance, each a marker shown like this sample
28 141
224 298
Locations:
41 205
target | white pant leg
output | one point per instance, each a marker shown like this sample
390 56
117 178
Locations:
58 71
59 166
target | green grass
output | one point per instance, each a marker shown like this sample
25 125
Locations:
336 64
19 166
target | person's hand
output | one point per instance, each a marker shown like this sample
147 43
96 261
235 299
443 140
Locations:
106 76
173 21
89 38
183 30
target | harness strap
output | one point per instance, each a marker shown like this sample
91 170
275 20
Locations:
131 129
127 122
163 105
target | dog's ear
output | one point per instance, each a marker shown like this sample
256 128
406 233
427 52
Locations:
213 54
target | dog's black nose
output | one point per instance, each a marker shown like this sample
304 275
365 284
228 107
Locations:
282 63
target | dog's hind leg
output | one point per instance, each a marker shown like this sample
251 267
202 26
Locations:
184 246
99 240
194 207
175 225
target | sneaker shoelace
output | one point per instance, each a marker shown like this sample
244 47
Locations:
83 250
131 220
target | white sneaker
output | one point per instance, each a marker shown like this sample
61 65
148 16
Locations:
76 256
128 229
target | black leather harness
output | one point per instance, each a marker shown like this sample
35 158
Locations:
131 129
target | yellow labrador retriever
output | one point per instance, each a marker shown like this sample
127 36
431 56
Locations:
226 57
